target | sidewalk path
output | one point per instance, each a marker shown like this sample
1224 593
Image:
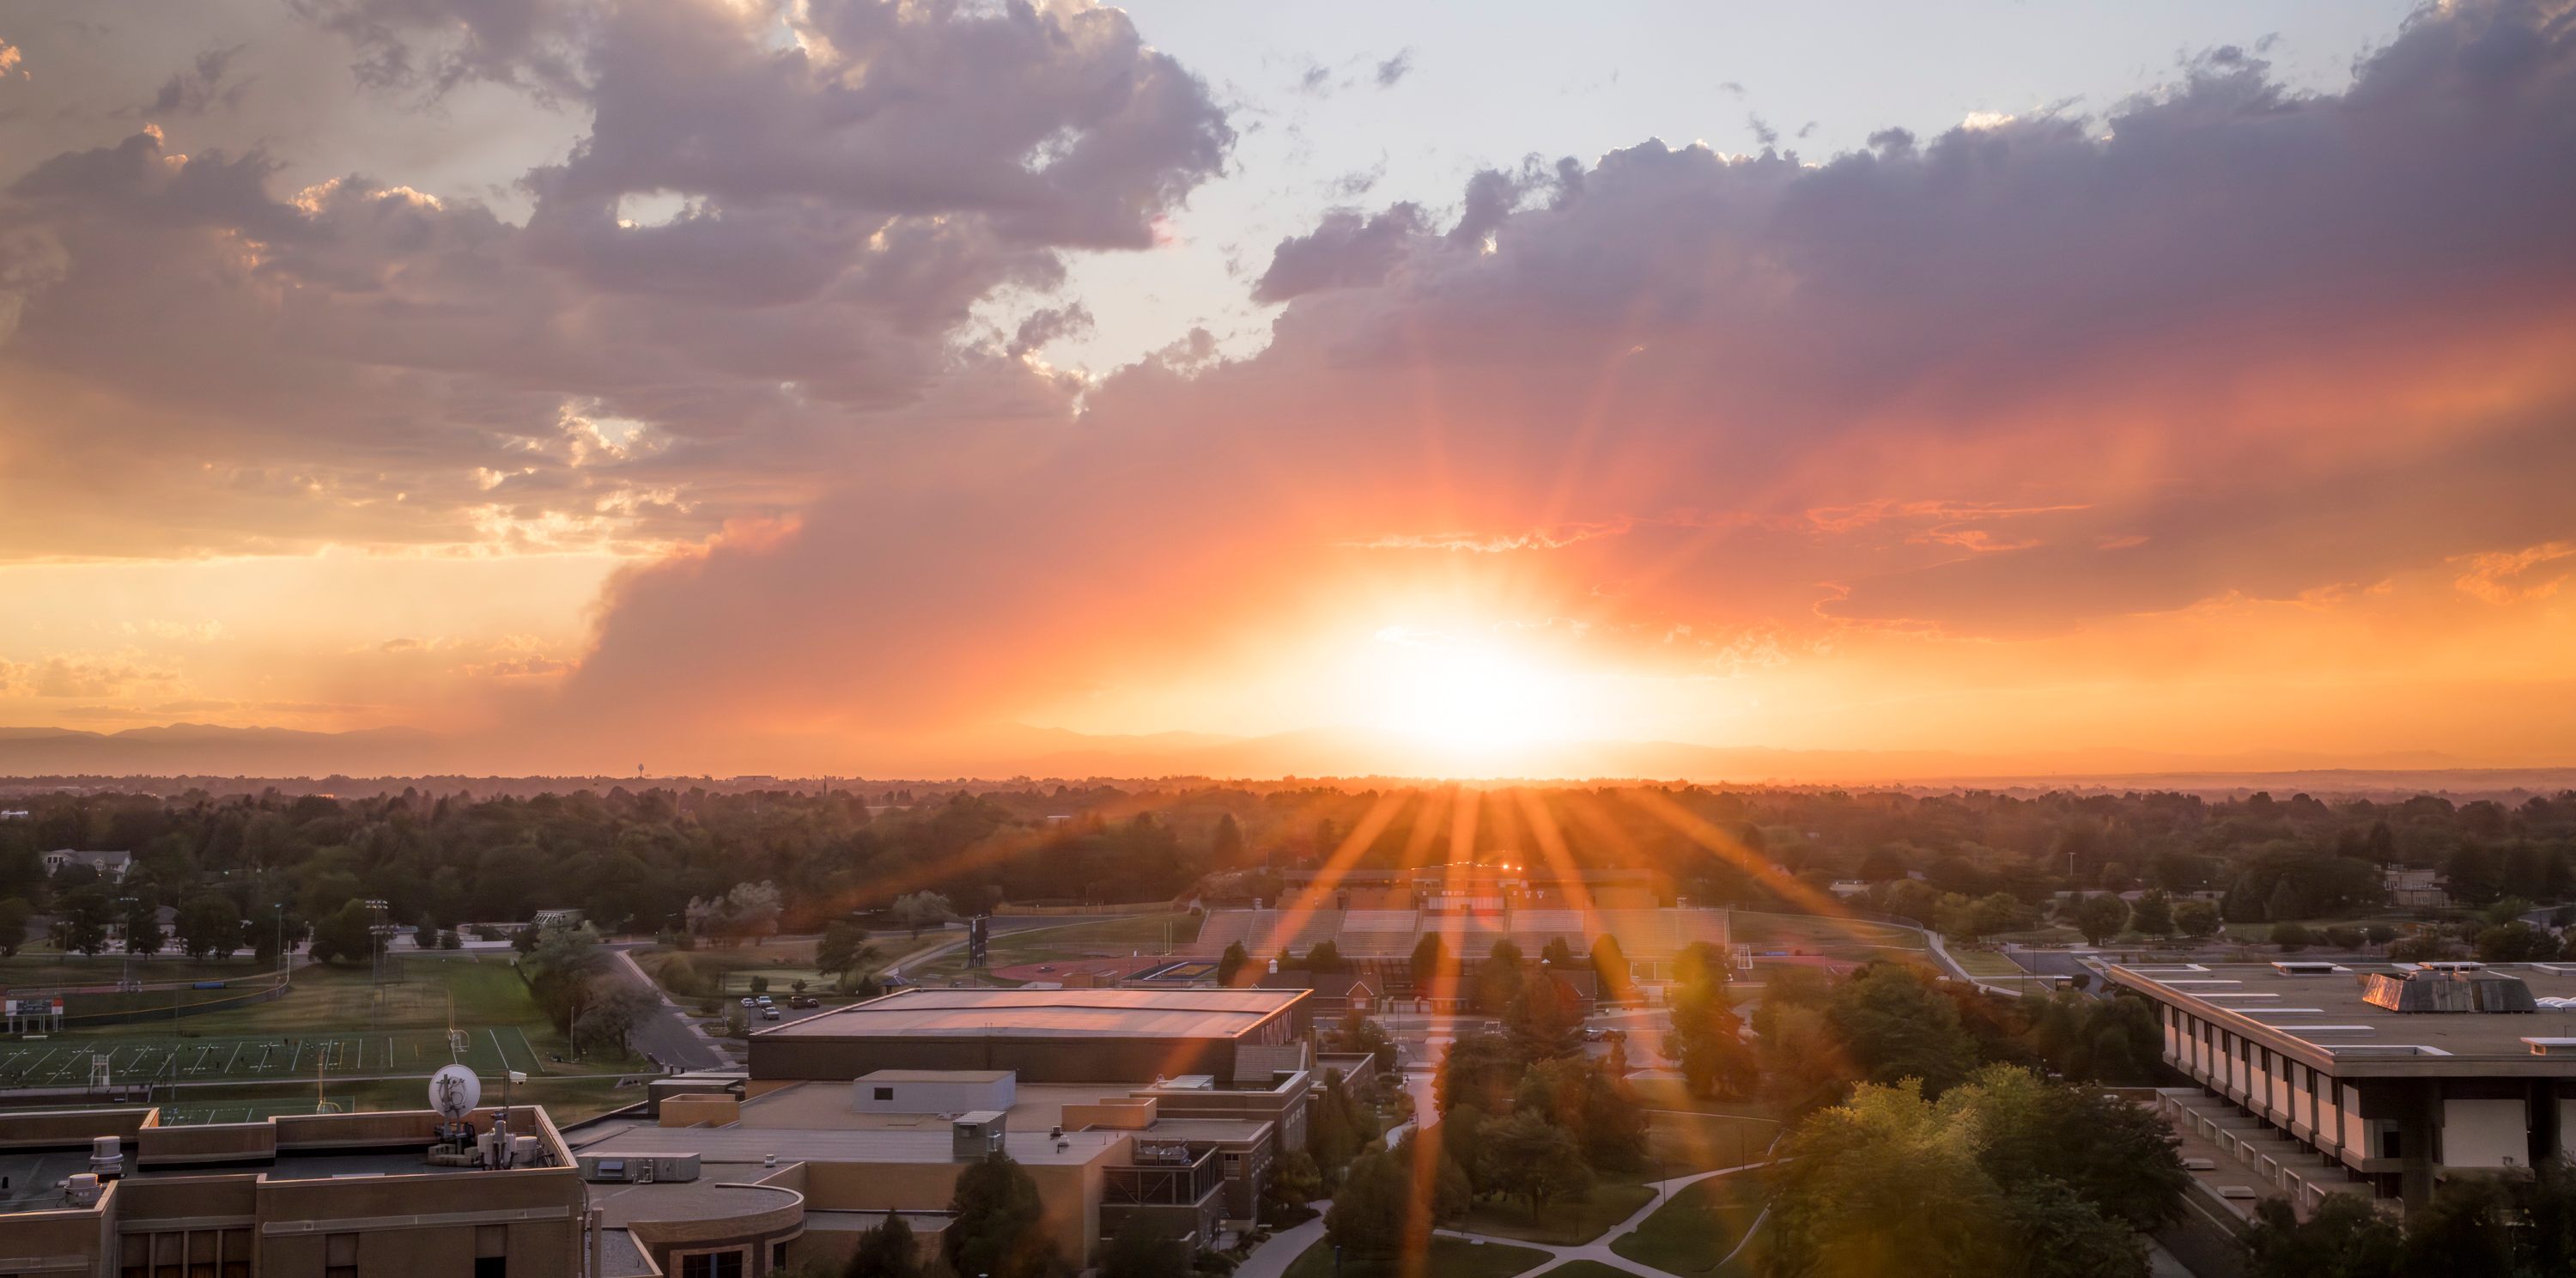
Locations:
1599 1248
1271 1259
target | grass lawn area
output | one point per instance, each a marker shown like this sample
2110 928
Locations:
1614 1198
1688 1143
1694 1231
1447 1258
1988 964
1816 932
28 970
1580 1268
1151 933
325 1001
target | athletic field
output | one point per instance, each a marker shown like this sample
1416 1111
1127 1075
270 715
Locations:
157 1061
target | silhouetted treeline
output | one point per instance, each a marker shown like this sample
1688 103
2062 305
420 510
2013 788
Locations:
635 860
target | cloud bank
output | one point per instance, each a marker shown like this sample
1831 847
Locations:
2223 387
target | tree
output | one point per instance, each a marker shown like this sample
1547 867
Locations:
1529 1158
210 926
1478 1070
1430 961
1544 1021
759 984
2196 918
1231 962
1598 1108
1336 1127
2344 1238
1558 955
2153 913
1372 1208
886 1250
343 934
997 1223
142 920
2100 917
1895 1027
610 1019
1142 1248
1225 846
2123 1160
1887 1183
1610 970
2291 937
1357 1033
845 949
1324 957
2516 942
1707 1039
920 910
2059 1235
2343 936
14 915
1498 978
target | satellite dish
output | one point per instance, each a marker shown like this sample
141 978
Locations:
454 1091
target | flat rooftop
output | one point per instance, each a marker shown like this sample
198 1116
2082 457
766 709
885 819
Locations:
1077 1013
722 1151
825 1106
936 1076
2327 1011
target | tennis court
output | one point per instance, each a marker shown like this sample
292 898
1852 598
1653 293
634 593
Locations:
66 1062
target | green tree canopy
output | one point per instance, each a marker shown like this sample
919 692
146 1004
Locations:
886 1250
997 1225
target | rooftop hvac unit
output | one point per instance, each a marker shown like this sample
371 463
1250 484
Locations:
638 1169
976 1135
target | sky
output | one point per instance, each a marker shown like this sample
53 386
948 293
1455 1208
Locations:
823 387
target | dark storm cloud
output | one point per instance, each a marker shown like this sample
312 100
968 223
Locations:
1349 250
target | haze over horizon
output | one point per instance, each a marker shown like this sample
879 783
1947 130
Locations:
746 386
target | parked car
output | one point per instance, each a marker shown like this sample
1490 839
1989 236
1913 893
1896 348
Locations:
804 1000
764 1000
1593 1033
751 1002
769 1013
1614 1036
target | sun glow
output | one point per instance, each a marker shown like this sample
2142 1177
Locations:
1470 700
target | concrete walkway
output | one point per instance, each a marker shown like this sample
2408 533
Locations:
1271 1259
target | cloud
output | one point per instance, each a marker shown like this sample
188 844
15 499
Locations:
2223 346
1395 69
2508 577
201 87
350 363
113 674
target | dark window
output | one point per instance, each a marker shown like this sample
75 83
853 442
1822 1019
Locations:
2389 1145
712 1264
491 1267
885 1093
778 1255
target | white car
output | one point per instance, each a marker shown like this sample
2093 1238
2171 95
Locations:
750 1002
764 1000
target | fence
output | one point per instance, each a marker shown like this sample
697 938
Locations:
137 1016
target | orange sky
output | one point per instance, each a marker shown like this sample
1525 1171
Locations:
2226 419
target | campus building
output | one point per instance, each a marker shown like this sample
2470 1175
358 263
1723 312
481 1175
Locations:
2372 1077
111 1193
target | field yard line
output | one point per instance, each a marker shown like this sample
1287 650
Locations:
228 1061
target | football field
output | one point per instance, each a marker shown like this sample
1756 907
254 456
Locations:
69 1062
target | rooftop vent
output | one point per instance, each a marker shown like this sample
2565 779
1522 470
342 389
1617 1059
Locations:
2448 991
2552 1046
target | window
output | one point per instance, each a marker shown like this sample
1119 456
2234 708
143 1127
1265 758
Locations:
778 1255
884 1093
491 1267
340 1256
712 1264
1234 1167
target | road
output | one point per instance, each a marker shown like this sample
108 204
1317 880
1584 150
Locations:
674 1040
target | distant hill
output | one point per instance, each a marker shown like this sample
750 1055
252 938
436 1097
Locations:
397 754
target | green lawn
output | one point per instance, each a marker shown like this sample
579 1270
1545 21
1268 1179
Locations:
1816 932
1564 1224
30 971
1151 934
1701 1224
1447 1258
477 993
1988 964
1688 1143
